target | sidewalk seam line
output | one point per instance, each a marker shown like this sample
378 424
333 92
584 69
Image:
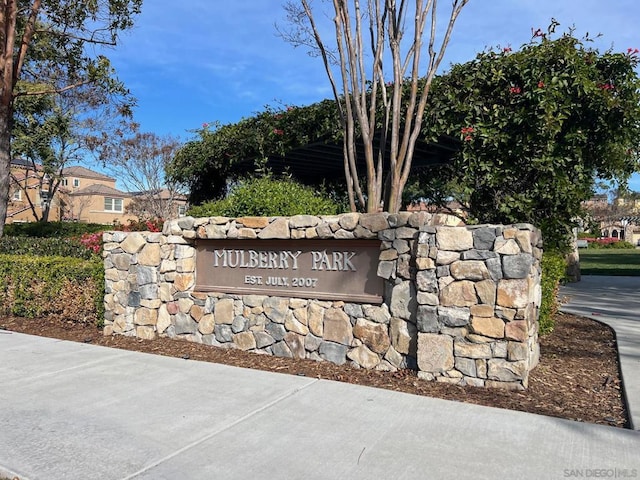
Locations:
75 367
220 430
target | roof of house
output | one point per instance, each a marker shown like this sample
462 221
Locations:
22 162
26 170
73 171
163 194
96 189
79 171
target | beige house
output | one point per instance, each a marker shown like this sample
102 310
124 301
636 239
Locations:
26 194
98 203
623 228
82 195
618 219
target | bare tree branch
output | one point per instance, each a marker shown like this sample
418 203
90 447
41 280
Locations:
370 108
51 91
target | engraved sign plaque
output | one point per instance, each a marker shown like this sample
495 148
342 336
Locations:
319 269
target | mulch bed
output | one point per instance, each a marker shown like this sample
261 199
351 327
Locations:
578 377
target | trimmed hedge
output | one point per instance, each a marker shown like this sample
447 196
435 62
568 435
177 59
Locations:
43 247
554 271
53 229
71 288
56 269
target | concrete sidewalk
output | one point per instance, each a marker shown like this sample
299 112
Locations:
76 411
614 301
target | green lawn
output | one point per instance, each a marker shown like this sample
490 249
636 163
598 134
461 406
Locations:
610 262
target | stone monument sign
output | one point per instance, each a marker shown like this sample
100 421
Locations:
322 269
458 303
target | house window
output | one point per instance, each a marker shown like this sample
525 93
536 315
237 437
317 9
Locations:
44 198
112 204
182 210
65 182
76 182
17 195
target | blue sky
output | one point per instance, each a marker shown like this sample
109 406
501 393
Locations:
201 61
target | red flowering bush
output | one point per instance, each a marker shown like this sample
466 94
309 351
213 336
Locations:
548 120
92 241
610 243
466 133
154 225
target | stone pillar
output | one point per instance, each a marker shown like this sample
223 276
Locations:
479 295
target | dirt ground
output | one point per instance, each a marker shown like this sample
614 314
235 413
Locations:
577 378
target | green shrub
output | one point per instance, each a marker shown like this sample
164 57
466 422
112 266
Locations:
268 197
71 288
41 247
211 209
53 229
554 268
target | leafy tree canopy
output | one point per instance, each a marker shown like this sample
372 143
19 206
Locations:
48 47
539 126
224 153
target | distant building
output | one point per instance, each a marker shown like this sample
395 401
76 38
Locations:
83 195
619 219
629 204
623 228
161 203
598 201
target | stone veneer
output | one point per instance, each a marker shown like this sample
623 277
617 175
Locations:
461 302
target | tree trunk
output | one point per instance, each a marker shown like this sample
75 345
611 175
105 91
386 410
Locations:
386 28
6 116
394 195
45 212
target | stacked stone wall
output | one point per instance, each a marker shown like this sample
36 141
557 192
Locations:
460 305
